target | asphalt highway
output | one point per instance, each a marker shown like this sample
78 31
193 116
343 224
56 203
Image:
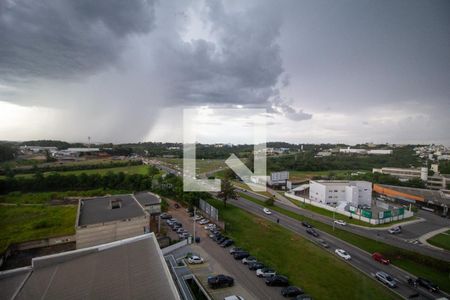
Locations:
360 259
403 240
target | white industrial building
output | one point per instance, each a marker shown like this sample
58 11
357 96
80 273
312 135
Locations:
349 150
356 193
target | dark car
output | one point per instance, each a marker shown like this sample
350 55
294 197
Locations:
220 281
217 237
221 240
323 243
277 280
306 224
291 291
241 254
255 266
304 297
312 232
165 216
236 249
425 283
227 243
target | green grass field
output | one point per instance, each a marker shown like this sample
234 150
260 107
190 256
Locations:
319 273
441 240
45 197
305 175
140 169
202 165
26 223
420 265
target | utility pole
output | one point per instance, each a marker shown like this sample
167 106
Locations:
334 212
195 213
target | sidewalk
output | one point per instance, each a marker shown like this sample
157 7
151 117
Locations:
423 239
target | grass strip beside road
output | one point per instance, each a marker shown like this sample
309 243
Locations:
319 273
415 263
441 240
26 223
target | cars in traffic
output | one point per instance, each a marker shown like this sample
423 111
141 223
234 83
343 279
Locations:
312 232
291 291
265 272
380 258
323 243
395 230
340 222
195 259
343 254
277 280
219 281
427 284
306 224
267 211
386 279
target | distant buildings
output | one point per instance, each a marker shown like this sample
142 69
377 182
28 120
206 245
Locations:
435 182
331 192
132 268
365 151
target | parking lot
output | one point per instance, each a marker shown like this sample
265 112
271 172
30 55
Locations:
218 260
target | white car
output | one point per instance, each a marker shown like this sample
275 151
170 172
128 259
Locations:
340 222
342 253
203 222
267 211
195 259
233 297
265 272
196 218
210 226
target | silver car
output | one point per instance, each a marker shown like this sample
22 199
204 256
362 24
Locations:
386 279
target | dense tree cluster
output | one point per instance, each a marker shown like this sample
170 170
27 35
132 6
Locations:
7 152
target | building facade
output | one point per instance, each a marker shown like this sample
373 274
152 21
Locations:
356 193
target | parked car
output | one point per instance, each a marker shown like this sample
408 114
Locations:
220 281
386 279
323 243
241 254
184 235
265 272
303 297
203 222
291 291
340 222
210 226
197 218
395 230
267 211
427 284
380 258
342 253
233 297
255 266
165 216
306 224
312 232
235 249
180 230
221 240
248 259
277 280
195 259
227 243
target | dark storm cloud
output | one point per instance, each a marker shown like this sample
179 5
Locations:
60 38
241 65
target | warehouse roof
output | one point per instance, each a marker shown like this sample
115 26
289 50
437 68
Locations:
133 268
109 208
147 198
432 196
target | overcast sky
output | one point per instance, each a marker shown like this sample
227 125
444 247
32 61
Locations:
324 71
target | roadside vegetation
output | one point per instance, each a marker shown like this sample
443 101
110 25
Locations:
26 223
299 259
420 265
441 240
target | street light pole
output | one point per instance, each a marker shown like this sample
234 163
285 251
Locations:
195 213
